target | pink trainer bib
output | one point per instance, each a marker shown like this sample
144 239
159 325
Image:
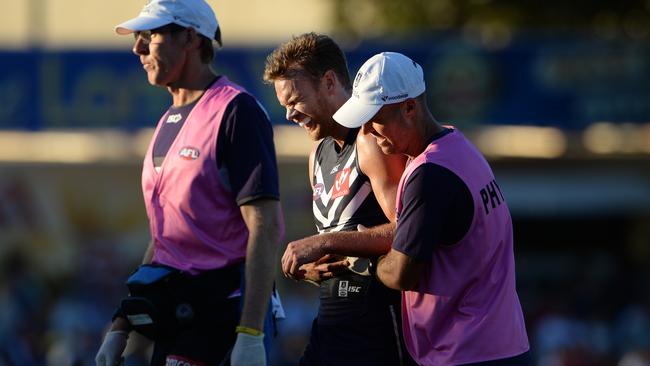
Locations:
466 307
195 222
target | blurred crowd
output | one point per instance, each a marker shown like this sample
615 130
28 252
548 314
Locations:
60 321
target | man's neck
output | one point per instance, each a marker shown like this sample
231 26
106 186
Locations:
340 133
192 86
426 129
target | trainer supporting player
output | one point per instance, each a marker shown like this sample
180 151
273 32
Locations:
452 254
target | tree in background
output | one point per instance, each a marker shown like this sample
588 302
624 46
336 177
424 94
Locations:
494 21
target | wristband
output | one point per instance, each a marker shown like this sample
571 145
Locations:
123 332
247 330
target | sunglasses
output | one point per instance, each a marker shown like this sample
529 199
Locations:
145 35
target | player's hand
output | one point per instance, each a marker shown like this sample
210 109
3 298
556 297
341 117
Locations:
248 351
325 268
301 252
110 352
332 265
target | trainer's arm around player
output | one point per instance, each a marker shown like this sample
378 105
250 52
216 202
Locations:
384 172
399 271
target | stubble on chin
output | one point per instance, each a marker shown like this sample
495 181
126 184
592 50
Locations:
315 135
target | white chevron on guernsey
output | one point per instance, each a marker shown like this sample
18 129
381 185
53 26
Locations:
354 203
331 229
349 210
325 196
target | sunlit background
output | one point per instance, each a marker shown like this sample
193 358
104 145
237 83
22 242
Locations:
555 93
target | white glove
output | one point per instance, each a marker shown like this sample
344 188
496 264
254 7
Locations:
110 352
248 351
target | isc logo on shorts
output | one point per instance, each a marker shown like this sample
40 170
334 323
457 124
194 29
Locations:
189 153
173 360
345 288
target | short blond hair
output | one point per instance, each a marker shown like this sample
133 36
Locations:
308 54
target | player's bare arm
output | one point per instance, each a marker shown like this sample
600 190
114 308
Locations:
399 271
348 243
312 157
263 220
384 172
323 267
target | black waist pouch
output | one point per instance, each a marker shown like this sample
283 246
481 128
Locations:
163 300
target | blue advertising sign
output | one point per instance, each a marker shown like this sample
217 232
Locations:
567 83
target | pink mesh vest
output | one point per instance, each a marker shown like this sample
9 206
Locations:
466 307
194 220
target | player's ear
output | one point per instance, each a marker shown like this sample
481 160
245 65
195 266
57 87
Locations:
409 107
329 80
192 38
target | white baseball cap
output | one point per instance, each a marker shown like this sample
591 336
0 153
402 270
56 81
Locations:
196 14
386 78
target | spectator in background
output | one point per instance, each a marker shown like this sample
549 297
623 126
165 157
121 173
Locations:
23 296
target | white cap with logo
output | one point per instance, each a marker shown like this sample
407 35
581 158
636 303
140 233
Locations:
386 78
196 14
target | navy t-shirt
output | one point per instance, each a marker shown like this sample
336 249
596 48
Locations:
175 119
437 209
245 151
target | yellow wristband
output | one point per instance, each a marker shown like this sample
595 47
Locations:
247 330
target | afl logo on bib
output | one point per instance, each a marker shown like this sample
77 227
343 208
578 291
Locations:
189 153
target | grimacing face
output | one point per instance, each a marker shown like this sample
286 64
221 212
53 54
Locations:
305 105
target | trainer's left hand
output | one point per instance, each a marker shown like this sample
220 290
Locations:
300 252
110 352
248 351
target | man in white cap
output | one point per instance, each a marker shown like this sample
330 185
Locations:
452 251
210 186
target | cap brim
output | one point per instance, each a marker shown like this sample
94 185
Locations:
140 24
353 114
